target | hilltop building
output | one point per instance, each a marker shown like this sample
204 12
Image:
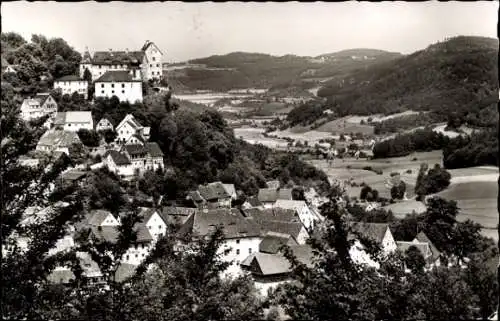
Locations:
147 62
72 84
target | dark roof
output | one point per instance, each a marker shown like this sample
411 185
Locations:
154 150
374 231
273 264
134 149
213 191
73 175
291 228
272 214
272 242
195 196
233 223
106 233
147 44
422 237
422 247
177 215
146 213
133 124
117 57
59 138
143 234
70 78
118 158
273 194
116 76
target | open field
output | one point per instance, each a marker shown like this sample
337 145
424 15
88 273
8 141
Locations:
342 126
376 118
254 136
401 209
312 136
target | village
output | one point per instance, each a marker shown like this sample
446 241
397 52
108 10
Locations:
254 230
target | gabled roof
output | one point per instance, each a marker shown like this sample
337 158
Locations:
130 118
272 242
291 228
272 214
153 149
105 233
233 223
118 158
213 191
274 264
176 210
146 213
230 189
290 204
73 117
59 138
147 44
116 76
267 195
69 78
118 57
374 231
97 217
134 149
422 237
104 120
59 276
73 175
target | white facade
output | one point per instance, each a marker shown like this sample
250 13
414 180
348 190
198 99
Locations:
125 131
156 226
104 124
152 65
359 256
240 249
122 170
137 253
303 236
110 221
306 216
130 91
68 87
38 107
98 70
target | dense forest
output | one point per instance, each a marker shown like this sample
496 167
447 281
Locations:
256 70
458 76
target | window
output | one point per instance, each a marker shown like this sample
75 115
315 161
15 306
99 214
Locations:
159 226
128 257
135 246
142 254
237 241
102 91
102 85
112 85
123 91
154 58
250 251
137 255
112 91
142 245
69 125
123 85
237 251
157 65
150 65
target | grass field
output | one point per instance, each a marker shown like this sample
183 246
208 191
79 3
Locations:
342 126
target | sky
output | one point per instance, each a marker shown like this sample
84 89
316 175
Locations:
185 31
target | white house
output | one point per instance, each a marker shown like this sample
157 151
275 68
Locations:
104 124
9 69
72 84
102 218
241 237
130 127
378 232
74 120
119 83
307 217
144 157
145 63
57 141
40 105
118 163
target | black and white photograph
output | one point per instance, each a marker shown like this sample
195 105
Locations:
176 161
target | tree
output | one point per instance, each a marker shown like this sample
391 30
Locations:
298 194
398 191
89 138
414 260
109 135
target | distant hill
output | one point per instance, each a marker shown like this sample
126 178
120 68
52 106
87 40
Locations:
456 75
257 70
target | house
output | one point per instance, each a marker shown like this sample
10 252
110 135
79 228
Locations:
118 163
270 270
72 84
430 253
42 104
90 271
104 124
101 218
378 232
155 223
269 196
307 217
231 190
241 237
211 195
73 121
179 216
145 63
144 157
130 127
273 241
121 84
73 176
9 69
58 141
278 220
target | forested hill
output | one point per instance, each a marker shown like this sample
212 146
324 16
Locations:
247 70
459 74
